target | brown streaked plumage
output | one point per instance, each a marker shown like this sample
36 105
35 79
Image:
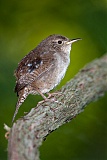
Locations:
43 68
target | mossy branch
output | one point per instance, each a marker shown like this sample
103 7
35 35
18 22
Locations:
28 133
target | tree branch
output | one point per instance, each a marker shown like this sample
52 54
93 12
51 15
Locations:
27 134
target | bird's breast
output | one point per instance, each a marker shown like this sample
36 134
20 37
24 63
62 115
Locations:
62 65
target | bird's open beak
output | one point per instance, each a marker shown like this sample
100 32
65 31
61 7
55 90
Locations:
73 40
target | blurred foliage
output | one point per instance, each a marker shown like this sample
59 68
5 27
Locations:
23 24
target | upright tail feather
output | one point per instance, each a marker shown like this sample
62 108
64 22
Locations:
22 96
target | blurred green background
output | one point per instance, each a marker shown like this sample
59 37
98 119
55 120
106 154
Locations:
23 24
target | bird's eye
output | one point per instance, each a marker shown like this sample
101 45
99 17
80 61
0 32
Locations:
59 42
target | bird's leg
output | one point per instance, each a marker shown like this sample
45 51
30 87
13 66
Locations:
44 97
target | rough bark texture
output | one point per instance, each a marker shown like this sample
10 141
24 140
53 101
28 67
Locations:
27 134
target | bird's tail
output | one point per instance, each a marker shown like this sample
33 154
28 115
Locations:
22 96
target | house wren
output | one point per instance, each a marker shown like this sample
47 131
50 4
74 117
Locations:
43 68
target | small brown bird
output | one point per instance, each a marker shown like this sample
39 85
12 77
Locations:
43 68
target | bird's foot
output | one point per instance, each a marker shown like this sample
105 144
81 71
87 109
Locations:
53 94
47 99
51 97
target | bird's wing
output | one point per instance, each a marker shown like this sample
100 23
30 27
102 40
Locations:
31 68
